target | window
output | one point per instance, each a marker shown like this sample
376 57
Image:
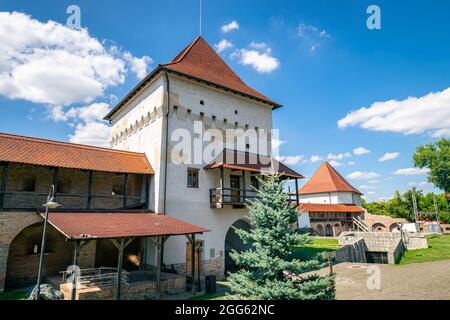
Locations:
254 182
64 185
29 184
118 188
192 178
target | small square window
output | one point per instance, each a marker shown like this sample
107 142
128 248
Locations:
235 112
212 253
192 178
29 184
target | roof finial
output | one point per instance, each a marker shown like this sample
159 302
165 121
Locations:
200 18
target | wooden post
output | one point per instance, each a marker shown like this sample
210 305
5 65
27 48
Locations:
296 192
147 191
222 186
90 183
3 184
244 184
55 180
193 262
158 267
119 268
125 191
76 258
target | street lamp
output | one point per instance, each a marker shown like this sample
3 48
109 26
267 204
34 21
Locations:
50 204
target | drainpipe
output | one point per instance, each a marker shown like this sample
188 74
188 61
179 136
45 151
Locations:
167 142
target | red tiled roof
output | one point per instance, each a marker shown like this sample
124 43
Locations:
95 225
44 152
199 60
327 179
319 207
232 159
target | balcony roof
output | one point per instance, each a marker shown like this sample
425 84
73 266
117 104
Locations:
123 224
320 207
35 151
237 160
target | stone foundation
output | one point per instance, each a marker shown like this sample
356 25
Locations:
144 290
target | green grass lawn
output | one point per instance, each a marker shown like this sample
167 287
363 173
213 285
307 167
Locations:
13 295
438 249
222 289
317 246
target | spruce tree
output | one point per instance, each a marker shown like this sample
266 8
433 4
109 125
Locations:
270 270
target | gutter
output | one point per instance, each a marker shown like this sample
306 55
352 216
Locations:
167 142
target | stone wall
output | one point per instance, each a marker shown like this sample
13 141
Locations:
353 250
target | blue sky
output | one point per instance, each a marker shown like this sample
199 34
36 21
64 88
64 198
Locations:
317 58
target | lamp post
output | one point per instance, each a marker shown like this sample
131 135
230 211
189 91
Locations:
50 204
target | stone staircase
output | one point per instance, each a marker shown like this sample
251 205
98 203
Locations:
359 225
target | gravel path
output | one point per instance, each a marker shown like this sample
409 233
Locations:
428 280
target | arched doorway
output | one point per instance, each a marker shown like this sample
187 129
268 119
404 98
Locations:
232 241
379 227
320 230
394 227
329 230
24 252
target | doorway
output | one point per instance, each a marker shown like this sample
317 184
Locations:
235 186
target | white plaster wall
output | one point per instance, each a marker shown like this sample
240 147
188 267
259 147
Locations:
332 198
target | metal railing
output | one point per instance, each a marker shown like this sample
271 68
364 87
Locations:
238 197
97 277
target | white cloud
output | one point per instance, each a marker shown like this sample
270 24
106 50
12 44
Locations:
316 158
262 62
360 151
359 175
424 183
89 128
351 163
340 156
48 63
412 184
427 114
276 143
138 65
92 133
313 36
223 45
389 156
260 46
364 186
233 25
370 193
373 181
411 172
385 199
336 163
290 160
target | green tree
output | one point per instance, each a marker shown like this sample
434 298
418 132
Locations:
269 270
436 158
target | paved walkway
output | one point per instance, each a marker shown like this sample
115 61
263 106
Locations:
428 280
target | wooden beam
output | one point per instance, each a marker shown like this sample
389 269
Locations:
158 267
90 184
119 268
76 258
296 192
193 262
147 191
3 184
125 190
222 186
55 180
243 185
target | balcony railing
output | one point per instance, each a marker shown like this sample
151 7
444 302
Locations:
218 197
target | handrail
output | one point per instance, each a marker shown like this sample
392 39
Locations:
224 196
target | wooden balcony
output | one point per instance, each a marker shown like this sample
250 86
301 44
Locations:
238 198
